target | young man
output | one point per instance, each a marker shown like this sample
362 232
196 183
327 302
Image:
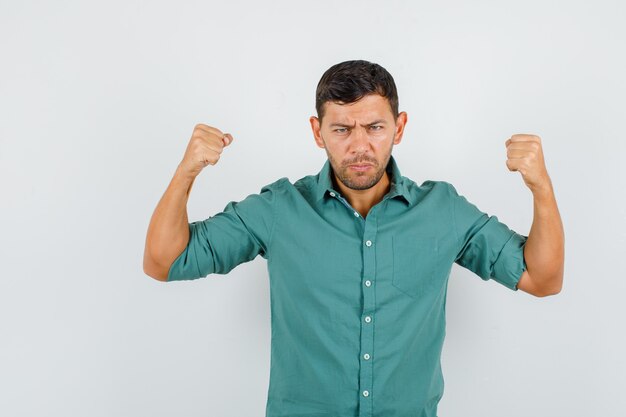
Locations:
358 255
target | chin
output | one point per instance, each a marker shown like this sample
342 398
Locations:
360 182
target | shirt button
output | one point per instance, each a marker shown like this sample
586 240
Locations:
332 194
356 214
368 319
368 283
366 356
368 243
366 393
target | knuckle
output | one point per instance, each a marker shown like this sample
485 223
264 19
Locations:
198 134
214 131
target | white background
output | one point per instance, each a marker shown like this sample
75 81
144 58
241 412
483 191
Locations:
97 104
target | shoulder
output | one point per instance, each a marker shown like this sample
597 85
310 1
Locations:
439 185
267 197
276 186
438 189
429 184
285 190
305 187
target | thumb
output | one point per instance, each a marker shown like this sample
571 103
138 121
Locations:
227 139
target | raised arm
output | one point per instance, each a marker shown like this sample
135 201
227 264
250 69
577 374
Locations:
544 251
168 231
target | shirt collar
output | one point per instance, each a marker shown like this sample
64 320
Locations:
398 183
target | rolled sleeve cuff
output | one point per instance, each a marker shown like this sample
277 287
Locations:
186 266
510 264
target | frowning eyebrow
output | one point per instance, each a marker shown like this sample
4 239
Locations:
379 121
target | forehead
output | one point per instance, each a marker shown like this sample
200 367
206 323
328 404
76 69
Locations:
371 106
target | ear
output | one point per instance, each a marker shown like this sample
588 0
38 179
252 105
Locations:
316 128
400 123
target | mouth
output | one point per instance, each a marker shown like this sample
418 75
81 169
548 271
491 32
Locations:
360 167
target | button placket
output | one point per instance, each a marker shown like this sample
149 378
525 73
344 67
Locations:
368 312
367 333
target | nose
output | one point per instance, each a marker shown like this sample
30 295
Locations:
360 141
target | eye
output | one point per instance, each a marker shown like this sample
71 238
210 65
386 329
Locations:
376 127
340 130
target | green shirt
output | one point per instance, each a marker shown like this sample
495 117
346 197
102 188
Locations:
357 304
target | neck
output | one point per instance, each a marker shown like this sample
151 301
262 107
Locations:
363 200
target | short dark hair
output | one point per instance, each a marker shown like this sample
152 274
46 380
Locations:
349 81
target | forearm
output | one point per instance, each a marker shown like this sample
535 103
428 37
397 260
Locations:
544 250
168 232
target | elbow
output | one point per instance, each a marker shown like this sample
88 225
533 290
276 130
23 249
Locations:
550 283
549 293
153 269
157 274
551 290
157 261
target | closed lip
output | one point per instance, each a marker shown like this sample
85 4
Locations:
361 165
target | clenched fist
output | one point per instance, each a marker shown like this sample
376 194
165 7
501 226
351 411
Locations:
204 148
525 155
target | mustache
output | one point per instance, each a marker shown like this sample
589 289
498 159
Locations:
358 161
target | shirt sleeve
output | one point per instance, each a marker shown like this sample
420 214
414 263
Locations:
233 236
487 246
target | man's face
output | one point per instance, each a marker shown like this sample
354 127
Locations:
358 139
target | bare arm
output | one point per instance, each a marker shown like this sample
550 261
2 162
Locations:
544 250
168 232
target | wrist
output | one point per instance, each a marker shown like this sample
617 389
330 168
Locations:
183 173
543 190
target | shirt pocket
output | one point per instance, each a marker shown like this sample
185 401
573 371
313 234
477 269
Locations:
415 263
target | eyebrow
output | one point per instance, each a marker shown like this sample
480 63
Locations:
379 121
